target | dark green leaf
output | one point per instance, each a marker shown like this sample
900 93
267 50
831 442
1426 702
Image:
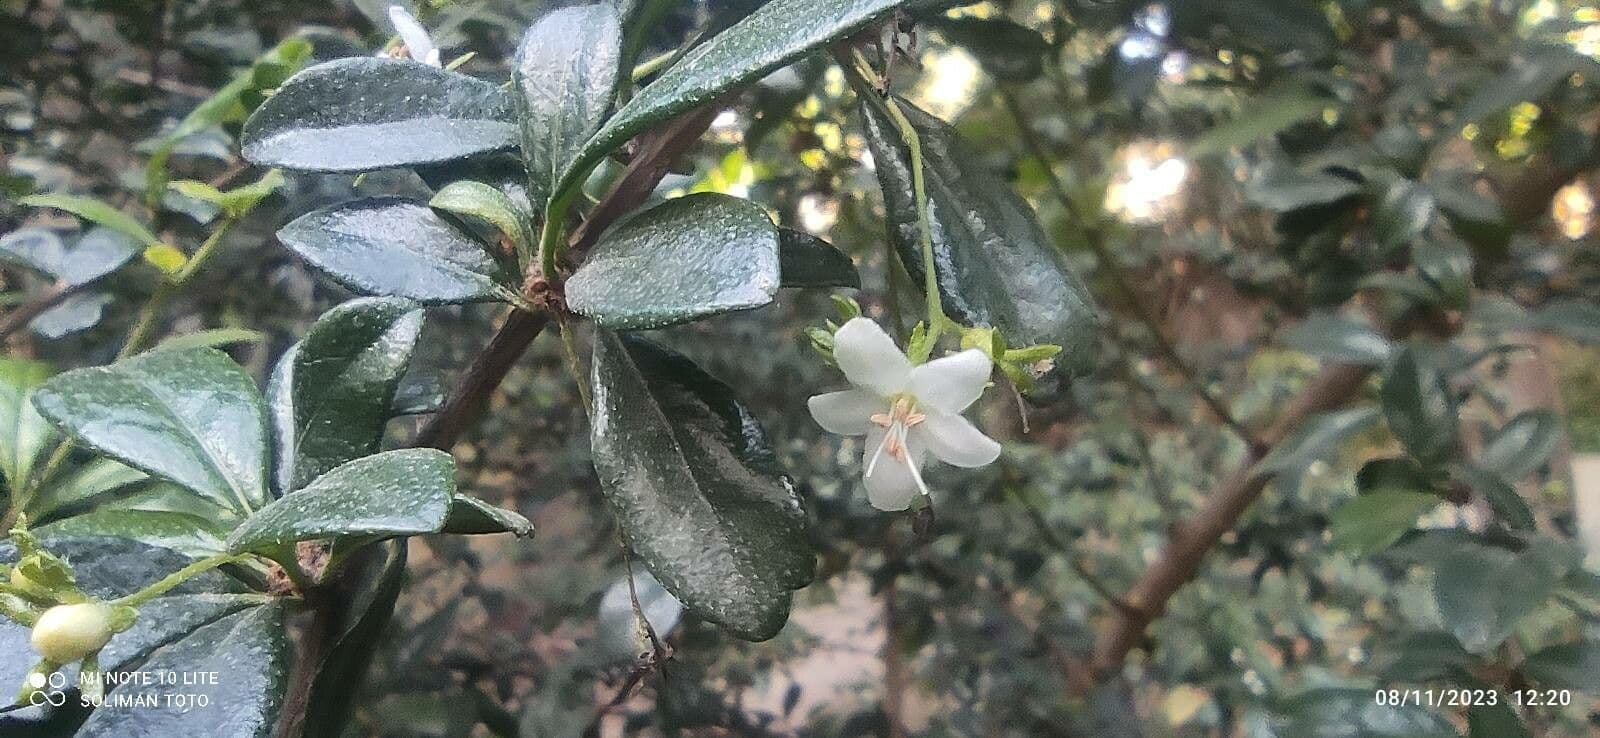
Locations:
472 516
366 592
23 433
1372 522
1353 713
1529 77
191 416
186 534
1261 117
1339 339
696 489
566 69
84 484
1447 265
682 260
97 253
79 312
807 261
1317 438
213 338
1284 189
1420 408
489 204
996 266
1482 592
1522 445
774 35
98 213
394 493
365 113
1495 721
251 648
1422 657
397 248
1401 211
1010 52
1566 666
331 393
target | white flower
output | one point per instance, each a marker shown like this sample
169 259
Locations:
905 412
419 45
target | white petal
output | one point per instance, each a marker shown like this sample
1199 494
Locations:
846 413
892 485
418 44
869 357
955 441
951 383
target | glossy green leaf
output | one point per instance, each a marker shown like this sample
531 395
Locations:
98 252
1284 189
566 71
1339 339
1482 591
250 647
1401 212
394 493
774 35
1317 437
235 202
396 248
366 592
331 392
1498 492
179 532
1419 407
1262 116
807 261
1566 666
1497 720
697 490
96 212
1353 713
491 205
472 516
365 113
1008 51
1530 76
1522 445
23 433
85 484
995 264
213 338
1372 522
191 416
682 260
80 311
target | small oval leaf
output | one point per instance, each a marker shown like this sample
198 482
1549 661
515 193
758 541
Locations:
566 69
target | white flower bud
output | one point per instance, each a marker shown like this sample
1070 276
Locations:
67 633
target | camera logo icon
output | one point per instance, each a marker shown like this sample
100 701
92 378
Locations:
54 698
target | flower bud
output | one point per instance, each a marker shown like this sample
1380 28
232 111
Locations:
67 633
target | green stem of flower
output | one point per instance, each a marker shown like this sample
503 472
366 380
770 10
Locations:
170 581
551 238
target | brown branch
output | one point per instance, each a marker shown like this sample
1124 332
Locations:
1096 241
1191 539
471 395
23 314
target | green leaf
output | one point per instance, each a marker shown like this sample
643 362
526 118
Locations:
1008 51
1339 339
490 205
365 592
1447 265
471 516
1317 438
250 647
393 247
191 416
238 201
212 338
1284 189
1522 445
807 261
1495 721
23 433
697 490
776 34
186 534
394 493
682 260
618 639
1578 320
1262 116
1566 666
566 70
365 113
1335 712
330 395
1529 77
80 311
1482 591
83 485
1401 212
98 252
1420 409
995 265
1373 522
1497 492
98 213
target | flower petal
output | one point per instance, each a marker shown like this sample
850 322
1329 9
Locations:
951 383
846 413
892 485
869 357
955 441
418 44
